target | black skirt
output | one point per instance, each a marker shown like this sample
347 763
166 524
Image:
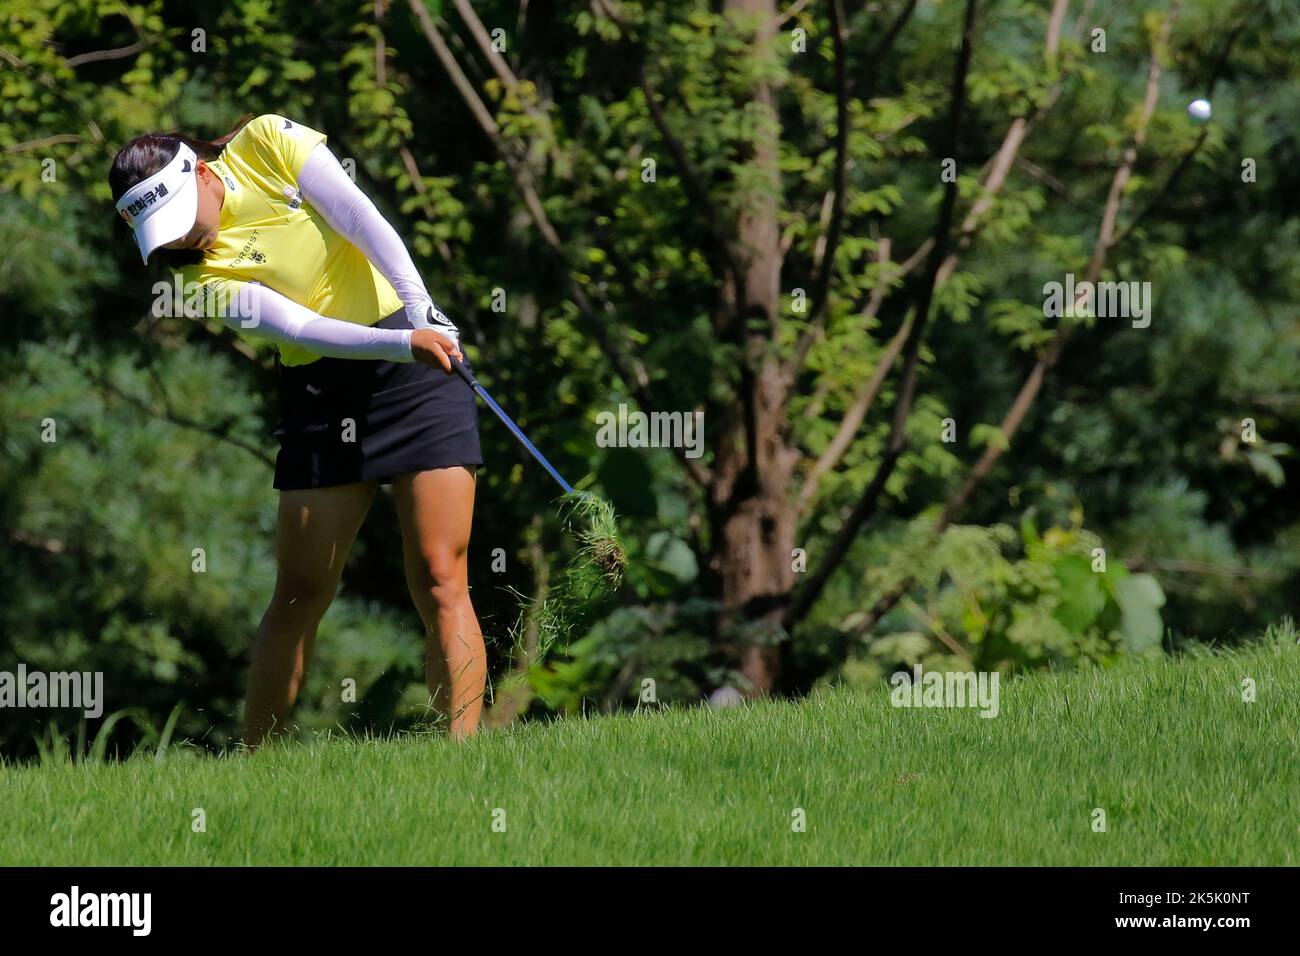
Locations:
350 420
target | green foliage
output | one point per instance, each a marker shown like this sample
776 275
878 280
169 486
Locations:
665 645
1000 600
163 424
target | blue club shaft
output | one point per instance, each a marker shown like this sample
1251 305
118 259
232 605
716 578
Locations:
515 430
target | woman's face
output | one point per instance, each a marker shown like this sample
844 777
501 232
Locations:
203 235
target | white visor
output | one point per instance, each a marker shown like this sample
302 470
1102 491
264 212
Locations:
163 207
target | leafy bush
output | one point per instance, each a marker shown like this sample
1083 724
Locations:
1008 600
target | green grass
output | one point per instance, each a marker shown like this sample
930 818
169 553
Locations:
1186 772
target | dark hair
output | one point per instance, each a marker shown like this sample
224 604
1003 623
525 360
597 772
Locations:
145 155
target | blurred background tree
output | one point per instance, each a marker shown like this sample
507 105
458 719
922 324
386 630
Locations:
827 226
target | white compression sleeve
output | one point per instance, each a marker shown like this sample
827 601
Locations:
326 185
276 317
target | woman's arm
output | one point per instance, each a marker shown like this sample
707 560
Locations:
332 193
261 311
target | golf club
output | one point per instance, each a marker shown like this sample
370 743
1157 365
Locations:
515 430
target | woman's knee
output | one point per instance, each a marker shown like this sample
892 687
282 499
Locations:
303 595
441 576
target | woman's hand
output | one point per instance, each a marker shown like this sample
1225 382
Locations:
433 349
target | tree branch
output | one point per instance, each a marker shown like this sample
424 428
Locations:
855 416
628 367
1105 241
694 188
866 506
821 285
826 265
53 86
1177 566
691 179
1185 162
995 173
998 169
404 152
1033 383
168 415
794 10
480 34
882 49
502 69
95 57
45 141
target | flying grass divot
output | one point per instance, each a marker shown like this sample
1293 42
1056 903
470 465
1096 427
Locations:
601 561
594 572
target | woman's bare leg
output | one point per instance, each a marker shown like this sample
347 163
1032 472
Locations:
436 509
314 532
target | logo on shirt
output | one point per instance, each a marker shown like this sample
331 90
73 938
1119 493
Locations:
249 251
224 173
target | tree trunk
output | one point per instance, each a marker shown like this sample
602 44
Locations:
754 521
754 532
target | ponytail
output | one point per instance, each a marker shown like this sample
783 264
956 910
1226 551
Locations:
209 149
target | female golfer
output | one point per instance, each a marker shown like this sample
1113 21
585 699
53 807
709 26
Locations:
267 227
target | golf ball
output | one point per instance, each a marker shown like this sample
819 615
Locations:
726 697
1199 110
